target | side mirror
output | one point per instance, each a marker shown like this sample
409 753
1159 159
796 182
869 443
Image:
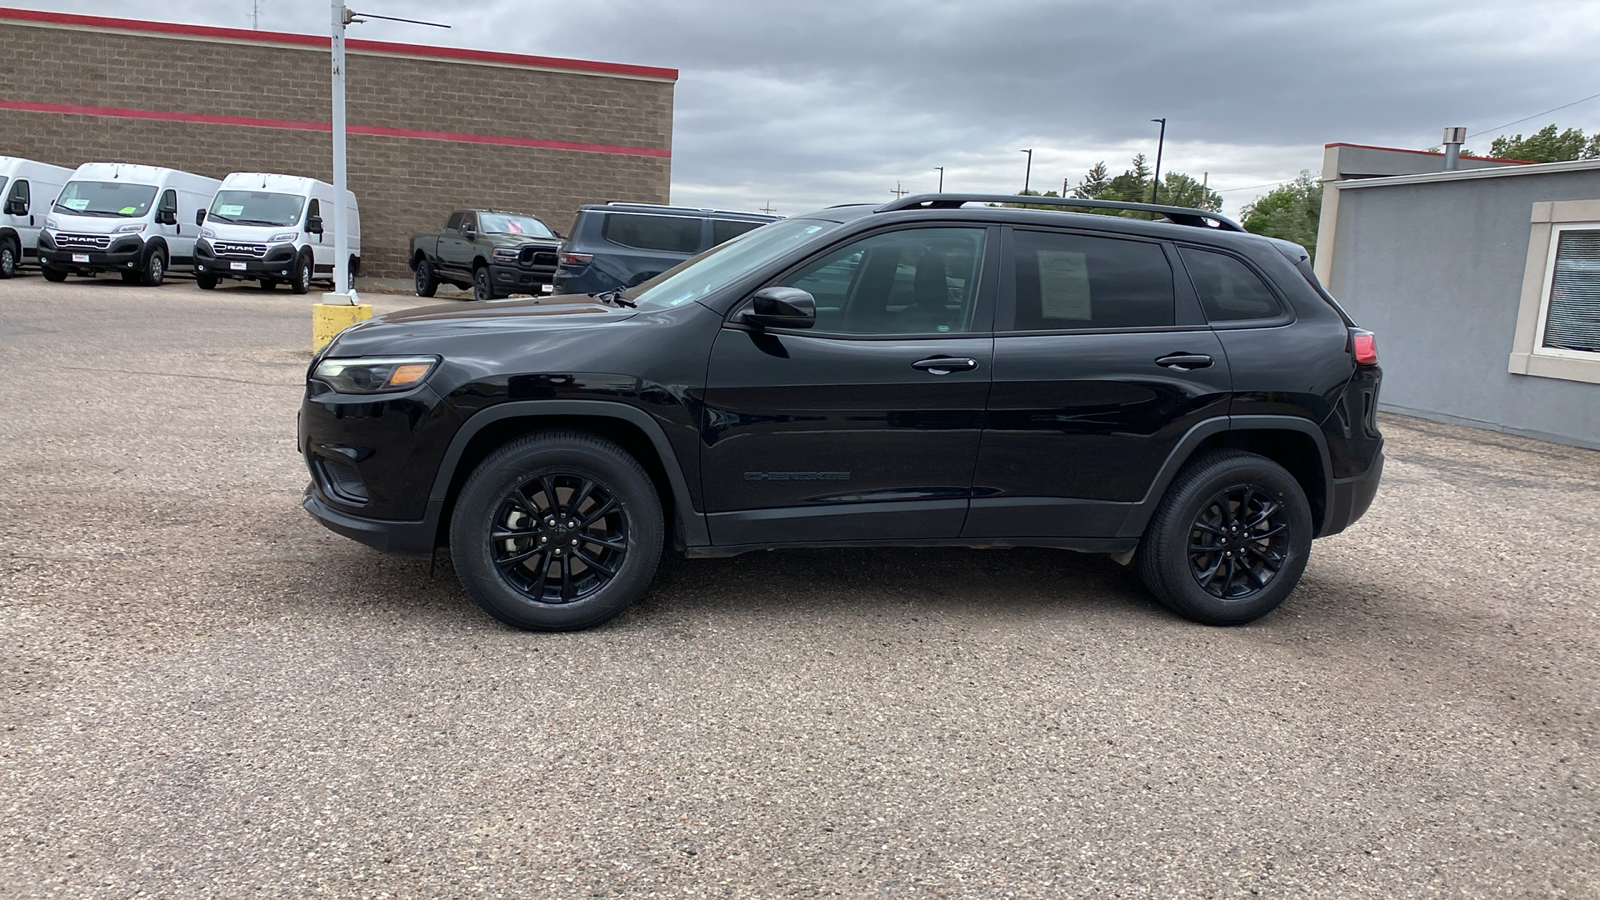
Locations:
16 207
469 233
313 224
199 217
782 307
166 217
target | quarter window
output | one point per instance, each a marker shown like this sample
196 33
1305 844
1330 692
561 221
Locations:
1572 304
1067 282
670 234
1228 289
917 281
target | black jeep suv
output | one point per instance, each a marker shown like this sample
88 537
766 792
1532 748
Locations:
1175 393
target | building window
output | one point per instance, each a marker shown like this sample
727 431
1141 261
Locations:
1570 322
1558 319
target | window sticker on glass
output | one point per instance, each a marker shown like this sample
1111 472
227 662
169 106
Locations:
127 211
1064 285
77 203
231 209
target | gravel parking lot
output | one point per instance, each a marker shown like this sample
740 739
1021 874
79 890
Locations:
205 694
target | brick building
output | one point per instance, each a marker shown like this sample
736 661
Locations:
430 129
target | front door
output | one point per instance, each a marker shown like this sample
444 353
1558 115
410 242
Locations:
17 212
865 427
1103 361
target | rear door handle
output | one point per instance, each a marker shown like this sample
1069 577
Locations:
944 365
1185 361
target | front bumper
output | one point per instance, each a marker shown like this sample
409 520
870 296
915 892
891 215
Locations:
277 264
511 278
409 538
1352 497
124 255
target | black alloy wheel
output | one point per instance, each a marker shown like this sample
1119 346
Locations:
482 284
1229 540
556 531
427 280
155 269
8 258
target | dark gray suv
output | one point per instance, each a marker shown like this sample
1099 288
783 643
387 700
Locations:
619 245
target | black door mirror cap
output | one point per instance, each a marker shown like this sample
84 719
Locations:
16 208
313 225
781 307
199 217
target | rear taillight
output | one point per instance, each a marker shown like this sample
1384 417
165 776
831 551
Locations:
1365 345
576 259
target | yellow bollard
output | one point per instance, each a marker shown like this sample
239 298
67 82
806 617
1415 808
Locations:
333 315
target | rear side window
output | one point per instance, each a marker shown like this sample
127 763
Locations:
1228 289
728 229
669 234
1071 281
451 224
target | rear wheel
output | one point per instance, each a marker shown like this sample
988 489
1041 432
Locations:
427 279
155 269
206 282
1229 541
482 284
8 258
53 274
557 531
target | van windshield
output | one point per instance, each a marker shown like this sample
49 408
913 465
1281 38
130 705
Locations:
256 208
501 223
695 278
108 199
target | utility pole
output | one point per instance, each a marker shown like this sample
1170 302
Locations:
255 14
1064 186
768 208
1028 172
1160 144
941 178
897 192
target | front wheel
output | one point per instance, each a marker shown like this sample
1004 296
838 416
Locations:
556 531
482 284
267 284
155 269
300 279
1229 541
8 258
206 282
53 274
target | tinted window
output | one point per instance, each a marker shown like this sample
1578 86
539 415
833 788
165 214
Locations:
727 229
451 224
670 234
1069 281
1228 290
469 221
918 281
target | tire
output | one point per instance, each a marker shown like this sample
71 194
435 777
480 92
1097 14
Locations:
9 254
300 278
155 269
52 274
482 284
1187 557
206 282
128 277
267 284
510 491
427 279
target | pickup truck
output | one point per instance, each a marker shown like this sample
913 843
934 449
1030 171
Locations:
493 253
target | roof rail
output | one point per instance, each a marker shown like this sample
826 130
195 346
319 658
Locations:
1180 215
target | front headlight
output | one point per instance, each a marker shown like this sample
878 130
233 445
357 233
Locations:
286 236
208 233
130 228
374 374
506 254
50 222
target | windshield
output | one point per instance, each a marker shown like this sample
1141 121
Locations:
695 278
501 223
256 208
109 199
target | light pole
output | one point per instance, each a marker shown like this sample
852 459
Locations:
1028 172
941 178
1161 143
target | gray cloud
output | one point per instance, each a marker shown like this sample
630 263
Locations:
831 101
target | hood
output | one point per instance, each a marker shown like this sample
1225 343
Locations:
65 221
416 330
518 240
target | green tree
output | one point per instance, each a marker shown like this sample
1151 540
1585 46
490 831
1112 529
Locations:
1289 211
1133 186
1096 181
1547 145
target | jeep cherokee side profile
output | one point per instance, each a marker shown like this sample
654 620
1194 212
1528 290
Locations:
1179 394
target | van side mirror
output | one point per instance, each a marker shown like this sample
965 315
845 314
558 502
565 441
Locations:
782 307
313 224
16 206
199 217
166 217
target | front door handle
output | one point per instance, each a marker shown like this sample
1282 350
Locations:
944 365
1185 361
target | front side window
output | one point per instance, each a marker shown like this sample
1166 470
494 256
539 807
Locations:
1229 291
728 229
453 223
917 281
264 208
1571 321
667 234
1067 282
695 278
19 193
506 223
107 199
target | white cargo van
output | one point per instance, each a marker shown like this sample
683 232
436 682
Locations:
274 229
28 188
118 217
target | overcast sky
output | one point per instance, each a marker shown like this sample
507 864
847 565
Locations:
806 104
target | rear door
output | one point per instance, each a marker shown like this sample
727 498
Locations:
865 427
1103 361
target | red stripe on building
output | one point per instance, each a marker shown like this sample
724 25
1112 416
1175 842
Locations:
311 40
290 125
